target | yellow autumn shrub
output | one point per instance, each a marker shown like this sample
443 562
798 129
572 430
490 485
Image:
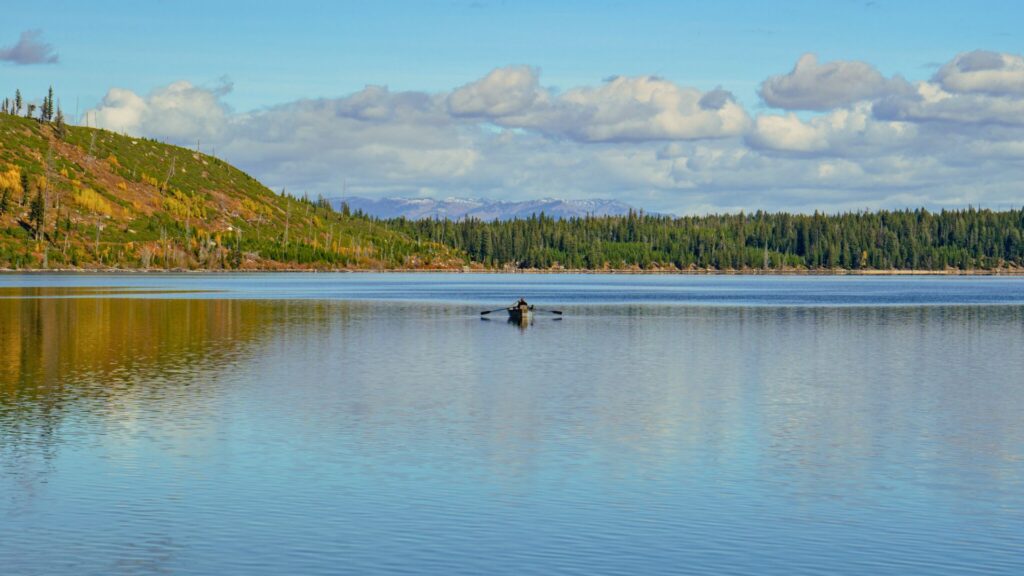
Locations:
257 207
92 200
185 205
11 179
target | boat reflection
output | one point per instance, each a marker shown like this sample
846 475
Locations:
522 322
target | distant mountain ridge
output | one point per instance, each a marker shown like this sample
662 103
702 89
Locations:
487 210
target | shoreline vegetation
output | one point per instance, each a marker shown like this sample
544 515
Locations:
80 199
478 270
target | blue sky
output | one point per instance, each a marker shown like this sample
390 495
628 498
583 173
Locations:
275 54
280 51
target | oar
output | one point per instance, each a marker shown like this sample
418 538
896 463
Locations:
559 312
485 312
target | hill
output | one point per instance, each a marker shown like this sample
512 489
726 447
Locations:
76 197
481 209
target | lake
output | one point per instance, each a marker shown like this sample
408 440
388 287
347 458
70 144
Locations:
377 424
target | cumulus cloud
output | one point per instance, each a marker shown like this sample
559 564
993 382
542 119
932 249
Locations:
983 72
378 104
30 49
977 94
814 86
503 92
642 139
633 109
622 109
850 131
179 112
375 139
788 133
650 108
716 99
930 103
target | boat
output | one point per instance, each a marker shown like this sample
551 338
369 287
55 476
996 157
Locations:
519 312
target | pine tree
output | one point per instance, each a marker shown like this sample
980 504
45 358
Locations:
47 112
5 201
37 214
17 102
25 184
59 127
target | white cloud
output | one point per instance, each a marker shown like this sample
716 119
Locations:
930 103
641 109
398 142
985 72
977 94
845 131
622 109
814 86
789 133
121 111
645 140
505 91
178 112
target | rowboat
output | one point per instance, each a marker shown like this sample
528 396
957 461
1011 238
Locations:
519 313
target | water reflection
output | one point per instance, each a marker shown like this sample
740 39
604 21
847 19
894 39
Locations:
390 437
97 351
523 322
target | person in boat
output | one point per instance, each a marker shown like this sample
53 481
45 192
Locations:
522 305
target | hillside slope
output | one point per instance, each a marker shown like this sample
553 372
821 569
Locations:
96 199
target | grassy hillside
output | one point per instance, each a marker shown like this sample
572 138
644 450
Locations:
109 200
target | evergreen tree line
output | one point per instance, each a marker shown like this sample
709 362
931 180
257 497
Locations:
49 111
903 240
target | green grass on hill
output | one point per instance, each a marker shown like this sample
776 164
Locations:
112 200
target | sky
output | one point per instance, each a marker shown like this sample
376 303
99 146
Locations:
680 107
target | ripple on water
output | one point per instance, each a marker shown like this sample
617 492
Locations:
241 436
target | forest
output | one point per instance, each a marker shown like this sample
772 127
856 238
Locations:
968 239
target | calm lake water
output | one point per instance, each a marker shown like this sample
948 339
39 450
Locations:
337 424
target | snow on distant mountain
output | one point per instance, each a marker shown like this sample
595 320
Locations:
459 208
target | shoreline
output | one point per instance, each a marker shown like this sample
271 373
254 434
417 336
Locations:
467 270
